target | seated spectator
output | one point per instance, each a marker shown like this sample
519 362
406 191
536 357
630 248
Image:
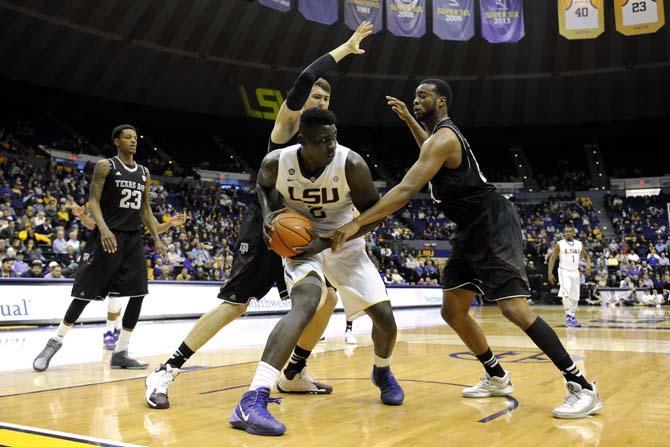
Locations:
396 278
183 275
201 274
56 271
164 273
173 258
646 282
35 270
663 260
652 299
7 270
73 241
653 258
19 266
59 245
627 283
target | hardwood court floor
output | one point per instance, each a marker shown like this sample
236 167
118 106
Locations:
625 350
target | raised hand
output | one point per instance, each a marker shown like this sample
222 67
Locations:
354 42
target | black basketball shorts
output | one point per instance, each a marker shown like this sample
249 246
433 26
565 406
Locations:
124 271
487 255
255 268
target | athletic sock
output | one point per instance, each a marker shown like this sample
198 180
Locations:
265 377
546 339
62 330
381 362
180 356
123 341
297 362
491 364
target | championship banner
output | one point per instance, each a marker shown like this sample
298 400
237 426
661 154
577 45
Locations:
635 17
454 19
358 11
406 18
581 19
279 5
502 20
321 11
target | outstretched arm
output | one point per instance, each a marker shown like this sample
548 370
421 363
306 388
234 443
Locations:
441 148
288 118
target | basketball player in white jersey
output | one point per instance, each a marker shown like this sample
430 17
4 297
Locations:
323 181
569 250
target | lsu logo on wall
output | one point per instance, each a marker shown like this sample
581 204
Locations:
263 103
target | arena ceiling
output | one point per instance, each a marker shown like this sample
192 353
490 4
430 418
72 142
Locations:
196 55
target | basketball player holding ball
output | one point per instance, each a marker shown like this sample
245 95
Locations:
256 269
322 181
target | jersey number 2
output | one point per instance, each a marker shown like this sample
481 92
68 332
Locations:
130 199
317 212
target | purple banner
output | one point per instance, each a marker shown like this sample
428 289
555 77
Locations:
358 11
321 11
502 20
406 18
279 5
454 19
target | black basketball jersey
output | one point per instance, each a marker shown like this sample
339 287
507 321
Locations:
123 196
462 192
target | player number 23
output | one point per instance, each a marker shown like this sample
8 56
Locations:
130 199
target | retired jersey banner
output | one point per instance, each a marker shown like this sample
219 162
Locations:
454 19
321 11
635 17
279 5
502 20
581 19
406 18
358 11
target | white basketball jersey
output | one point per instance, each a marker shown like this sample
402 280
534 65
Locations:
581 15
569 254
638 12
325 200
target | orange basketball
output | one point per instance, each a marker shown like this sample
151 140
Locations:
290 230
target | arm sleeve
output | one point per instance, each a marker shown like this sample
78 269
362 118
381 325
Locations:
303 85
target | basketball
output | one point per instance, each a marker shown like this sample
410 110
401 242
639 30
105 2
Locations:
290 230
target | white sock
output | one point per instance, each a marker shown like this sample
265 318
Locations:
62 330
114 307
119 322
265 377
381 362
124 339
